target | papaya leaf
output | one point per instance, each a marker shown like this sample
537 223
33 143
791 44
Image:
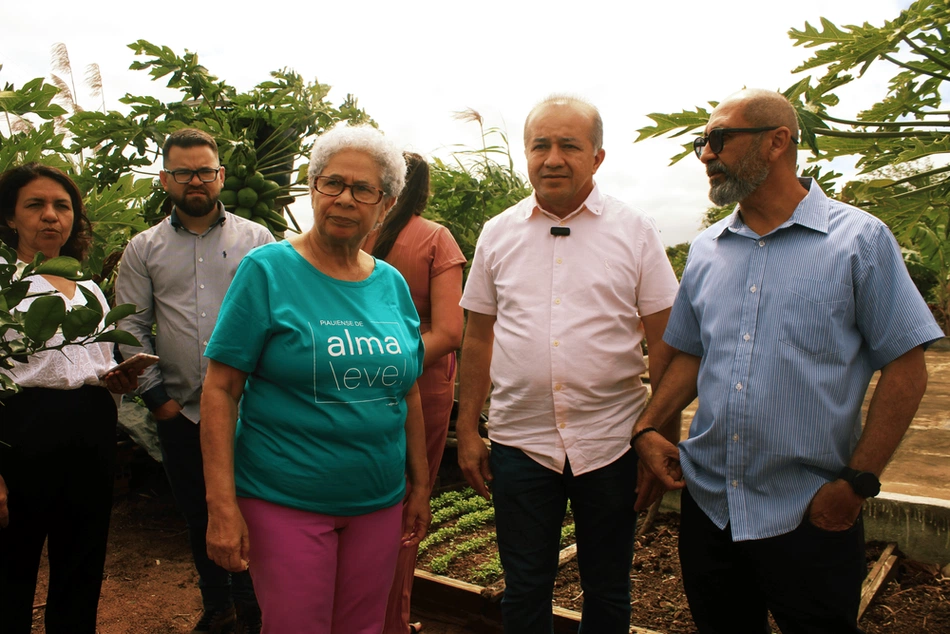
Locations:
34 97
674 124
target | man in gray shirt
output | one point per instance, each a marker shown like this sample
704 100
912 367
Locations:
177 274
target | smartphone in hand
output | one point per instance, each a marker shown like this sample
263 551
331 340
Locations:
134 364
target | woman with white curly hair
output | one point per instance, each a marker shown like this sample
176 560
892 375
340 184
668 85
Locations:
319 344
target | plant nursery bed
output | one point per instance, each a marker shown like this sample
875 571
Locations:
914 600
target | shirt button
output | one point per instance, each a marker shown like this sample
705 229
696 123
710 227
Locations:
738 386
204 343
557 301
559 260
201 286
753 289
556 343
735 483
203 314
761 243
562 425
557 388
735 438
746 337
201 259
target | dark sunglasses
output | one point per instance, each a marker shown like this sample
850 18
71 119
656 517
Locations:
716 138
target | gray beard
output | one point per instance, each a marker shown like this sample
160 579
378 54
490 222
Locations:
737 184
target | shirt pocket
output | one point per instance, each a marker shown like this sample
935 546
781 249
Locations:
812 314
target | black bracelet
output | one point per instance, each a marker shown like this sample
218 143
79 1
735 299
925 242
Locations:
645 430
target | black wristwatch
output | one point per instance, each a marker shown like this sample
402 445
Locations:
864 483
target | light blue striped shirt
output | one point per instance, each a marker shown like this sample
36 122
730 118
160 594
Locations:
790 327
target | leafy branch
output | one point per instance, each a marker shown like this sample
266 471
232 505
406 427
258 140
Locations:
26 333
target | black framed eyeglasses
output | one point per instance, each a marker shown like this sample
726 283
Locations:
332 186
717 137
205 175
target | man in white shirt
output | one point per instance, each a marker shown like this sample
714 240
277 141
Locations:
563 287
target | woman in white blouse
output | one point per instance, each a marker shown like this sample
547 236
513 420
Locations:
57 436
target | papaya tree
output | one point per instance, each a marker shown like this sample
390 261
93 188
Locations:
261 133
33 132
900 145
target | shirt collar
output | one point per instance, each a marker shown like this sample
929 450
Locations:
594 203
176 222
811 212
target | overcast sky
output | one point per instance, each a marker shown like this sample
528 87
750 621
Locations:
412 64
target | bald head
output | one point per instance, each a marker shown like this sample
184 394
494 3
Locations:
576 104
763 108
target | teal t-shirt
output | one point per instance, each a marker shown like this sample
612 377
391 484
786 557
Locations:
321 425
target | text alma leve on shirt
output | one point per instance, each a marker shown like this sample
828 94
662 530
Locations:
353 377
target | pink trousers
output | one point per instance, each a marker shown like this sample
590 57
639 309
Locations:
321 574
437 390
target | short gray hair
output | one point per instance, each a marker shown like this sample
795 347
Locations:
578 104
363 138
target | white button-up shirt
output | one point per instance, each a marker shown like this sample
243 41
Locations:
566 360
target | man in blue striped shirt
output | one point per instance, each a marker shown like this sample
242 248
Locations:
785 310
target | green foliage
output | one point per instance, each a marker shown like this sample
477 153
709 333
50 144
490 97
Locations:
436 537
567 533
450 497
25 333
471 504
475 187
113 210
265 130
440 565
475 520
35 98
114 220
676 124
469 522
904 131
677 255
27 140
490 571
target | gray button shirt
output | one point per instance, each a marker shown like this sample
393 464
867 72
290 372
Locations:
178 279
